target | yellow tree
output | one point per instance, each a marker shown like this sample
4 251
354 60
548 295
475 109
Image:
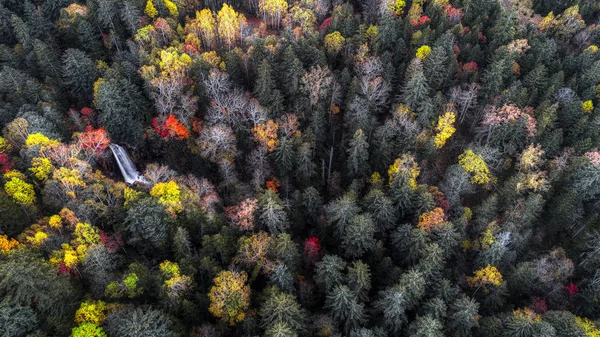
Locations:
266 134
489 275
474 164
150 9
230 296
41 168
445 129
16 187
334 42
168 194
205 26
274 9
228 25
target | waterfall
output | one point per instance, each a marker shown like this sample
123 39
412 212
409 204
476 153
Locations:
127 167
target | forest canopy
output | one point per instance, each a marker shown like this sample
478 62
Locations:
306 168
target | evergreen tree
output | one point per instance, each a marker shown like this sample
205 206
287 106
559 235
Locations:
358 155
282 308
79 74
358 237
328 272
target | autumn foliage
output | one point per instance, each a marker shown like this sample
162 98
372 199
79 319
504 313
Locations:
230 296
430 220
170 128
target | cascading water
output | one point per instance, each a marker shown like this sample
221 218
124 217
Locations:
127 167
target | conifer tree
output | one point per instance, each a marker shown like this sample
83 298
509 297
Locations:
358 154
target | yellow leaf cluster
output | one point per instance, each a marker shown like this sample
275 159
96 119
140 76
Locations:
171 7
92 312
474 163
445 129
266 134
334 42
55 221
20 191
588 106
228 24
527 314
398 6
406 163
41 168
150 9
168 194
485 276
423 52
230 296
4 145
38 139
588 326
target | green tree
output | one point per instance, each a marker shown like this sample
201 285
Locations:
265 89
272 215
137 322
79 74
15 319
358 237
147 222
344 307
329 271
341 210
284 156
426 326
464 315
358 155
29 279
122 107
359 279
282 308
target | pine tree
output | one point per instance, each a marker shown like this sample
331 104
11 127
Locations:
341 210
464 315
344 307
426 326
359 279
17 320
282 308
147 222
358 237
79 74
358 155
122 108
265 89
328 272
272 215
138 322
290 74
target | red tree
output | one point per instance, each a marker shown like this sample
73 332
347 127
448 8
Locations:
312 247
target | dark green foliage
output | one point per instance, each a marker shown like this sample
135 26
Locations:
282 308
25 279
358 236
122 108
15 319
147 222
138 322
79 74
329 271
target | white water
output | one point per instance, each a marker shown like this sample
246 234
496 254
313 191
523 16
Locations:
127 167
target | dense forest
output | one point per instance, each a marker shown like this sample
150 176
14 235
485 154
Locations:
306 168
